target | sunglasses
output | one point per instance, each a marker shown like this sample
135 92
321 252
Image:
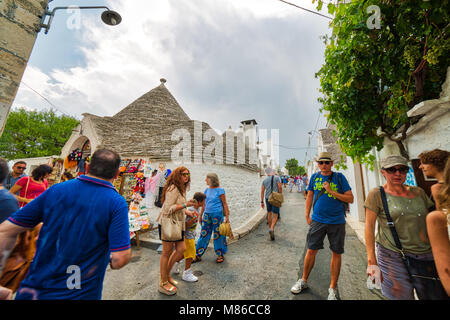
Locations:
23 168
186 174
394 170
323 162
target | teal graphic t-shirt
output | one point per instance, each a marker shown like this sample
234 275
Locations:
328 209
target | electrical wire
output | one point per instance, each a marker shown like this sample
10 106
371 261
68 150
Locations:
292 4
45 99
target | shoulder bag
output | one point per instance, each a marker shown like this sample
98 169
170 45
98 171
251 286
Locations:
420 271
276 198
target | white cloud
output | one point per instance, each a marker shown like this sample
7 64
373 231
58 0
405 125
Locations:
225 61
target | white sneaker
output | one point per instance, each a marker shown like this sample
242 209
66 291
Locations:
333 294
176 268
188 276
299 286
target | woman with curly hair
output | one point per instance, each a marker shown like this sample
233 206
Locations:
438 233
171 221
432 164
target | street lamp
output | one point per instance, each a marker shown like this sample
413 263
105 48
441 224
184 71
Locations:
109 17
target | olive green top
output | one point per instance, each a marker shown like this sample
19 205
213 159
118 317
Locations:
409 217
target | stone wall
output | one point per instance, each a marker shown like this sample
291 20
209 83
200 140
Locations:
19 24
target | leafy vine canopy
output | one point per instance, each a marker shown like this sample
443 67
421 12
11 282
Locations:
382 57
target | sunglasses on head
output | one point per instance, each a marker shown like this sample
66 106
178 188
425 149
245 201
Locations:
324 162
394 170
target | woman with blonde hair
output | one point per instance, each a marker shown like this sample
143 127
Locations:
438 232
211 216
171 221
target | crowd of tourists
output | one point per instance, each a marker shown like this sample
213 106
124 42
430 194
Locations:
408 255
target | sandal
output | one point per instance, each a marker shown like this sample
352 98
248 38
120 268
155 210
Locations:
169 292
173 281
197 259
219 259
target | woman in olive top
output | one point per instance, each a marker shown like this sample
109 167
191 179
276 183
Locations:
408 207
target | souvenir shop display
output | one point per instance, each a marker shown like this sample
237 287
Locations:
131 184
76 160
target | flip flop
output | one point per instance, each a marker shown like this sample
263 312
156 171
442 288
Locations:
220 259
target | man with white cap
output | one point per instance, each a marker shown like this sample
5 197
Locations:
328 194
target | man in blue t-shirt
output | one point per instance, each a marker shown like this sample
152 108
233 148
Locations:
8 203
328 194
85 227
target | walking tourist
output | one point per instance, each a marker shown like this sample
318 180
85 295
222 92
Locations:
8 203
291 183
328 192
172 227
438 231
150 189
19 262
432 164
305 184
192 216
162 174
85 227
31 187
271 184
17 173
400 212
66 176
211 216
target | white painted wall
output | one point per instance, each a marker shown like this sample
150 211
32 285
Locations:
242 188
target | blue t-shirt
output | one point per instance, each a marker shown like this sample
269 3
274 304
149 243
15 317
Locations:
10 181
8 204
213 204
84 220
328 209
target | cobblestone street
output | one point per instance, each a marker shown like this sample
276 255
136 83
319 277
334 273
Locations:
254 268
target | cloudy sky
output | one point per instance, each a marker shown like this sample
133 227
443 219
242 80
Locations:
224 60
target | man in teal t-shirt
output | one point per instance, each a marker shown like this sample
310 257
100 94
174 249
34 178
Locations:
328 194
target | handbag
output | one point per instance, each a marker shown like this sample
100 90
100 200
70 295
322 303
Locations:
171 229
225 230
276 198
422 271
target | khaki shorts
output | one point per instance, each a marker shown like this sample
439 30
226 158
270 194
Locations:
189 253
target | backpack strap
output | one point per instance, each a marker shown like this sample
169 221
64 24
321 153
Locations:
323 189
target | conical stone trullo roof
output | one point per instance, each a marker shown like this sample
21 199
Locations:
144 128
158 104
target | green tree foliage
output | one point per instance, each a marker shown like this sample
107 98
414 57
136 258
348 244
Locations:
293 167
372 77
30 134
301 170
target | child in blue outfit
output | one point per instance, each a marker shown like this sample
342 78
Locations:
211 216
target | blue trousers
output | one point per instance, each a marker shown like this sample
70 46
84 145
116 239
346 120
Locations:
210 226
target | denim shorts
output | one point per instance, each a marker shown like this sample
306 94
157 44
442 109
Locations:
271 208
334 232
